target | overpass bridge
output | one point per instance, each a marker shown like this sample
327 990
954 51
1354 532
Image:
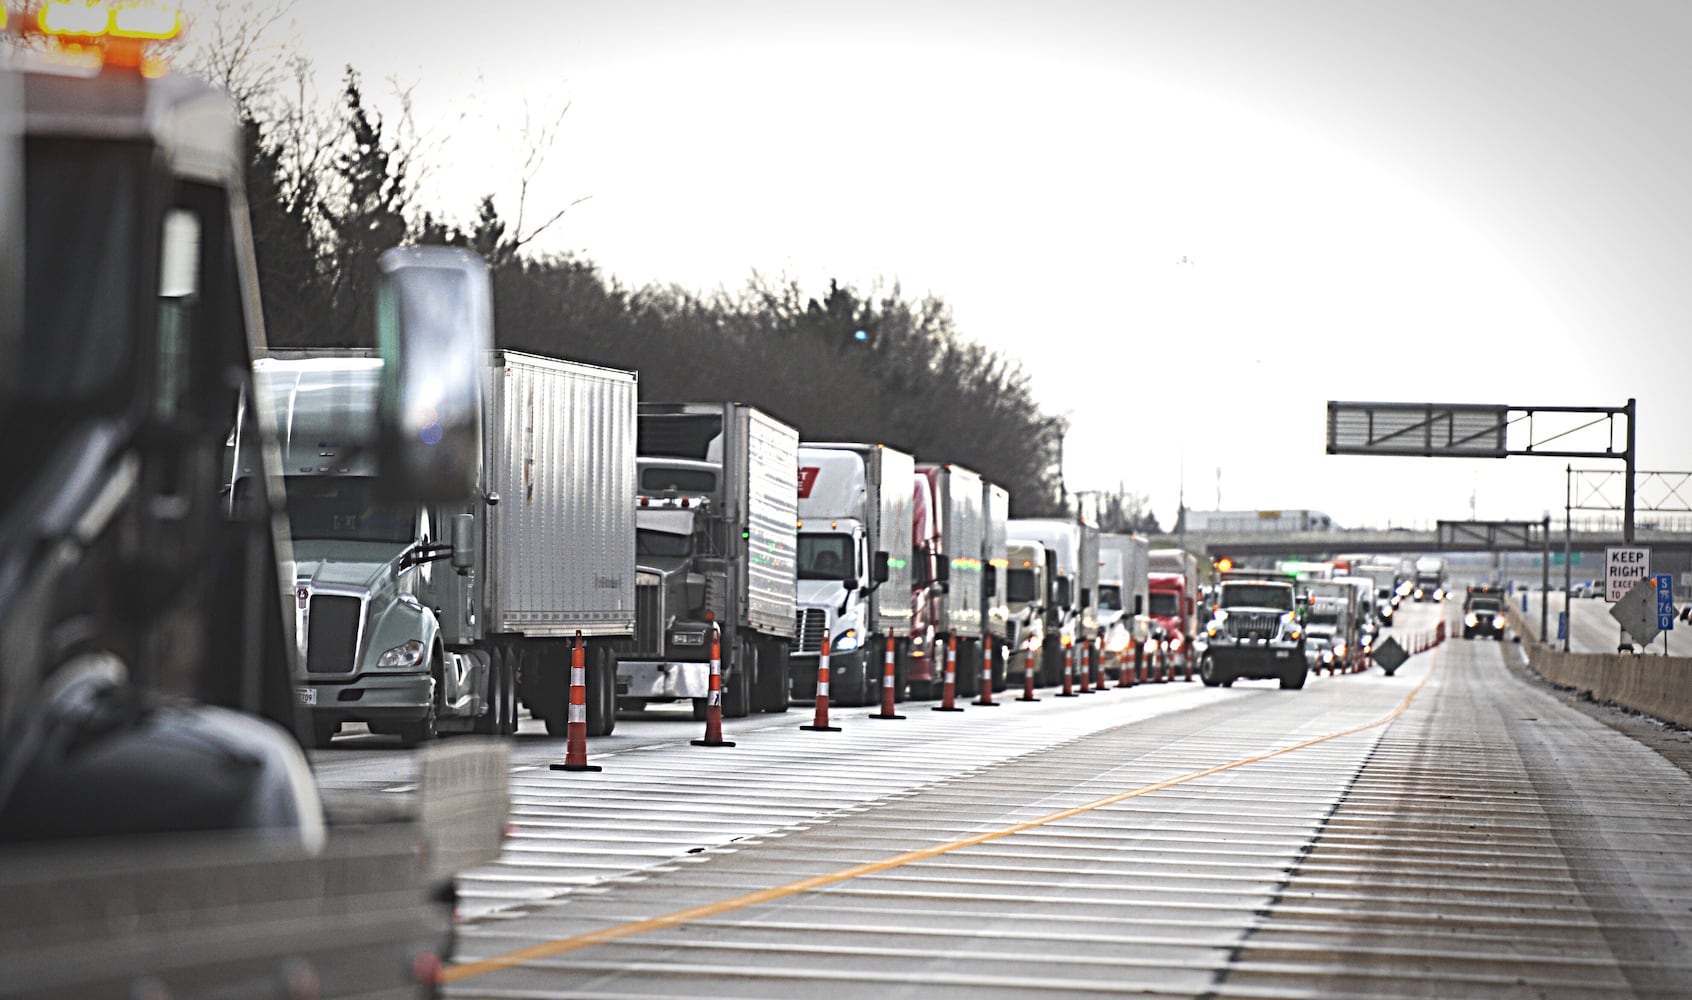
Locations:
1404 541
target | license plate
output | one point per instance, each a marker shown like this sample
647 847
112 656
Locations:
1280 654
305 696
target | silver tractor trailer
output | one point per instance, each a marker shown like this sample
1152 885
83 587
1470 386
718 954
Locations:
958 496
392 637
716 545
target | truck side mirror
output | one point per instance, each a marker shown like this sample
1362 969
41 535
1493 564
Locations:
434 325
463 542
990 583
1139 604
1086 597
942 569
879 571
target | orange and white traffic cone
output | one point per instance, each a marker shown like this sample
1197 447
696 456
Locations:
1140 661
575 722
1125 670
1068 673
1028 672
949 692
1098 664
820 723
714 704
1086 671
986 699
1187 659
888 673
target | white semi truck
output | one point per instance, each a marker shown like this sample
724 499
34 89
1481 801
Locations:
715 544
1124 597
995 564
854 566
1026 595
1072 571
958 496
392 638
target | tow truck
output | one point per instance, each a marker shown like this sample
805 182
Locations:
160 831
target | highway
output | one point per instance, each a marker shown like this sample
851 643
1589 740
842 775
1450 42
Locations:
1450 831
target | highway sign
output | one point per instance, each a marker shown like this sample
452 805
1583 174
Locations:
1637 612
1665 602
1390 655
1624 566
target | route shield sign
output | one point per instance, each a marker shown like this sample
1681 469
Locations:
1665 602
1624 566
1637 612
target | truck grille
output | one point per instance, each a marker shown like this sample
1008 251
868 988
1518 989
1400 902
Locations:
332 635
649 619
813 625
1254 624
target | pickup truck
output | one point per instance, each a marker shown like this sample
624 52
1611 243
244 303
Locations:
1256 633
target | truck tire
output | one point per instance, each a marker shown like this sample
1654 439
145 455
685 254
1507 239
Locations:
967 668
739 684
772 676
1209 672
492 721
601 692
512 714
423 730
1293 679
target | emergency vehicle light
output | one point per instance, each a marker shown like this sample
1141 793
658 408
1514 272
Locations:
126 20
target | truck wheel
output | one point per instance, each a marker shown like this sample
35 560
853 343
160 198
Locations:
1293 679
739 684
489 723
1208 672
511 716
413 734
772 676
602 692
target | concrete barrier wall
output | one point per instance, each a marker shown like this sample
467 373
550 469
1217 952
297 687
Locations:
1659 686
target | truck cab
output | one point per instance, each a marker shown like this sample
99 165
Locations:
929 576
1025 598
1072 566
671 658
1255 632
854 574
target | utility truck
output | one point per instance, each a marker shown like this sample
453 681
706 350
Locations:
163 835
413 648
854 566
1072 576
715 547
958 496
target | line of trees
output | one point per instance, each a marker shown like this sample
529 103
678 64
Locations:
330 191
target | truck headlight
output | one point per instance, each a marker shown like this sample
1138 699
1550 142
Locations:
406 654
1498 622
687 638
846 641
1470 620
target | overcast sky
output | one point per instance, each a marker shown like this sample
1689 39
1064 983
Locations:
1193 223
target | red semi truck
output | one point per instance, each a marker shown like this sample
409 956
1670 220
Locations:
1173 598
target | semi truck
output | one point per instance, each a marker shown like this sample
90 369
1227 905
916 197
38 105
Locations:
854 567
1071 599
1174 599
1430 583
959 497
922 665
716 544
413 649
1124 596
1026 594
995 563
149 636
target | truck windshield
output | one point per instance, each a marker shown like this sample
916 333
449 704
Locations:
1020 586
1484 605
1163 605
661 543
685 482
1324 618
345 508
1110 597
826 557
1257 595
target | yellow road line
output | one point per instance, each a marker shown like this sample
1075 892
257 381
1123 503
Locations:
549 949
